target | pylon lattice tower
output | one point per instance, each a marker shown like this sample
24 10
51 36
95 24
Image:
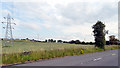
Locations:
8 40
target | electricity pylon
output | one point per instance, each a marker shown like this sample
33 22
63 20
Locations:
8 40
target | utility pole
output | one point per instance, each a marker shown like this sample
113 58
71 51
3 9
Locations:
8 40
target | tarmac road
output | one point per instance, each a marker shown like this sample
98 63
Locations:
106 58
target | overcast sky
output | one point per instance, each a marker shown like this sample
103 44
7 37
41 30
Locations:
59 19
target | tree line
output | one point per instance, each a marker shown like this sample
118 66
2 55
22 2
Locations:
112 41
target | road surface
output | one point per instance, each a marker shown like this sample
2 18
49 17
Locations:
106 58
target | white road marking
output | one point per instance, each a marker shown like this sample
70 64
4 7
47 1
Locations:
113 54
81 63
97 59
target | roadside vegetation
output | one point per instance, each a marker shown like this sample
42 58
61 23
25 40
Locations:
28 51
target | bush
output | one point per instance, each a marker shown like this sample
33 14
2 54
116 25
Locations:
82 52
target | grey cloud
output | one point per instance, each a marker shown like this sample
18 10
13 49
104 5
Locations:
85 12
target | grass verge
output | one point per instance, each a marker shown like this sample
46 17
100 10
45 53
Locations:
14 58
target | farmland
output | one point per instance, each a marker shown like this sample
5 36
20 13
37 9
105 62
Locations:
39 50
23 46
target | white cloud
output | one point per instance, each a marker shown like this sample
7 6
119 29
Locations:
47 26
69 17
32 26
83 29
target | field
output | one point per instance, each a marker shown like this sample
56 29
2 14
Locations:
23 46
23 51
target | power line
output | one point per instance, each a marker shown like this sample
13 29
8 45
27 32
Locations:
8 40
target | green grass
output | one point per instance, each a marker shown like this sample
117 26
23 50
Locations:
0 52
21 46
37 51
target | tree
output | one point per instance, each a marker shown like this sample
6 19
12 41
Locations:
107 42
59 41
99 34
83 42
27 38
65 42
72 42
51 40
113 40
77 42
46 40
54 40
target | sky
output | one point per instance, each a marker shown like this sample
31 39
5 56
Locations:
59 19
